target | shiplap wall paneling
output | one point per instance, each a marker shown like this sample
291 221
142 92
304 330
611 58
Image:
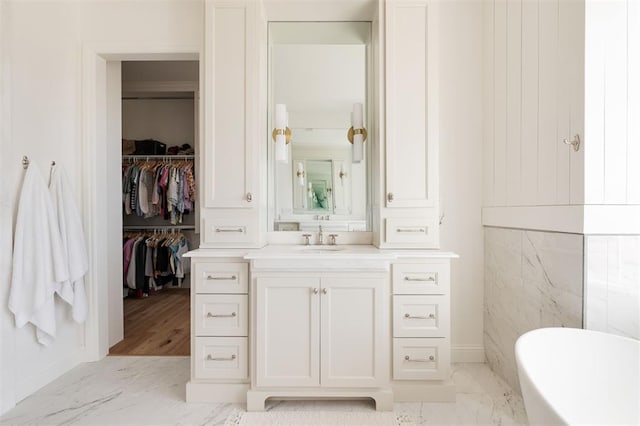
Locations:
489 95
548 102
615 103
500 102
633 113
529 149
564 73
594 105
572 24
615 113
514 103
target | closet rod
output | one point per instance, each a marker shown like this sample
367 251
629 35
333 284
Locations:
160 227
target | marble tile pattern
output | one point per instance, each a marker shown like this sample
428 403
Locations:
612 284
532 279
151 391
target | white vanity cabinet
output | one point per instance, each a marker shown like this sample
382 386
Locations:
320 331
231 152
421 325
409 186
219 326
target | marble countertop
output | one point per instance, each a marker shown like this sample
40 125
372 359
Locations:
283 251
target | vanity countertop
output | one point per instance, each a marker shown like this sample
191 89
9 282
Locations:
284 251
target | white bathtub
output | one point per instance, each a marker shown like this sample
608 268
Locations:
572 376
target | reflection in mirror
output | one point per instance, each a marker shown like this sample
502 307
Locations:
319 71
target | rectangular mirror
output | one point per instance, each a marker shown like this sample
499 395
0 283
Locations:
318 78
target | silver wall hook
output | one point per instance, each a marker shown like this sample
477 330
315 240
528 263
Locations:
575 142
25 162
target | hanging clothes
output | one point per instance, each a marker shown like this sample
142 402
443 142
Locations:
153 260
159 188
74 246
39 265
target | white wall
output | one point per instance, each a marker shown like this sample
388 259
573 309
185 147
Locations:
7 345
45 47
460 123
612 127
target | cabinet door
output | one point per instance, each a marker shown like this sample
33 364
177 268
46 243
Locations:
230 84
411 131
287 331
354 342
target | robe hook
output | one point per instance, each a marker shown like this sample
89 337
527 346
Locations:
25 162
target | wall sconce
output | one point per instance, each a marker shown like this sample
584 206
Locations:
357 133
309 190
300 174
342 174
281 133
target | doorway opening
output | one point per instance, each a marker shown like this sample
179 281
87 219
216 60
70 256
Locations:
158 112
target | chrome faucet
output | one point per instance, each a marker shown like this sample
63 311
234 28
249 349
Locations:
320 235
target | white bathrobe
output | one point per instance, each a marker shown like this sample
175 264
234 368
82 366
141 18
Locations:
38 262
73 243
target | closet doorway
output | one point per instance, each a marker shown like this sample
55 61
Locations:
159 127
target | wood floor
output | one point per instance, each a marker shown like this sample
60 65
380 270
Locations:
156 325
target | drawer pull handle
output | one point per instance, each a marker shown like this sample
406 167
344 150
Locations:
229 230
231 278
419 279
421 230
249 197
315 291
430 316
431 359
215 358
231 315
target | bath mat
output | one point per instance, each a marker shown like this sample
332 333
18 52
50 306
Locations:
318 418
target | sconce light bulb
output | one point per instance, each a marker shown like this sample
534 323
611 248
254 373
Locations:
280 122
358 138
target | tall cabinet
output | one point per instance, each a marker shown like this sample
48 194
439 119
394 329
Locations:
409 142
232 152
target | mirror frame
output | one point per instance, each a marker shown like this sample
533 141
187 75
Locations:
352 237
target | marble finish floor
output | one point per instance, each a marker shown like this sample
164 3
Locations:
151 391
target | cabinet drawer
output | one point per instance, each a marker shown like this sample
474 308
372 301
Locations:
420 359
421 231
420 316
222 278
420 278
221 358
221 315
229 228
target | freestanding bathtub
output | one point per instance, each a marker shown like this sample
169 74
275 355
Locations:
576 377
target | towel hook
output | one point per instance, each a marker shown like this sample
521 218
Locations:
25 162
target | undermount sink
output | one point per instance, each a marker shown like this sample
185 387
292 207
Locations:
321 248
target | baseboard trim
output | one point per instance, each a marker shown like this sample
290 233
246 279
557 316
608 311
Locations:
467 353
28 385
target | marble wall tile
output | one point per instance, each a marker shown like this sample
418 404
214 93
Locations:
532 280
612 284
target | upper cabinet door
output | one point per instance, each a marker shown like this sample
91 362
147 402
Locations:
411 104
231 84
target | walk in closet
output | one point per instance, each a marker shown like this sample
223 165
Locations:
159 211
